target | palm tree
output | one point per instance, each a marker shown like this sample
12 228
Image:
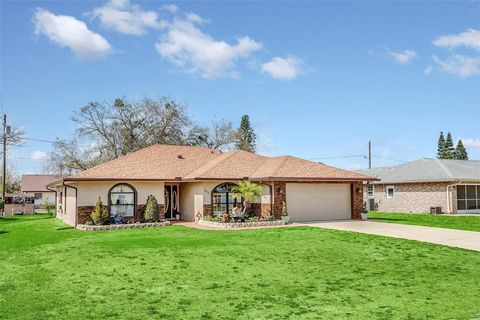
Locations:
248 191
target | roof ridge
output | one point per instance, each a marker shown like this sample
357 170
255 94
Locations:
275 170
444 167
210 164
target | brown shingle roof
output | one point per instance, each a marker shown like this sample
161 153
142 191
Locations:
36 182
162 162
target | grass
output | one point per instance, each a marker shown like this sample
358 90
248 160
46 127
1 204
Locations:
471 223
50 271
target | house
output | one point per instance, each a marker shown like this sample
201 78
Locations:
196 181
34 190
425 185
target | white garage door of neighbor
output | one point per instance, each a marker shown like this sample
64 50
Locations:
322 201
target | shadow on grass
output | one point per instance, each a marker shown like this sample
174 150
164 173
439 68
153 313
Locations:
3 231
64 228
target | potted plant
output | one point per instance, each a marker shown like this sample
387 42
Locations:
364 213
285 216
177 216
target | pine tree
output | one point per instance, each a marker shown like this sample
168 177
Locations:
441 146
460 152
245 136
449 149
100 215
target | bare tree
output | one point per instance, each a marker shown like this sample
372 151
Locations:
114 130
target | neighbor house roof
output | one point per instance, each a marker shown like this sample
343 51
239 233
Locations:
428 170
36 182
187 163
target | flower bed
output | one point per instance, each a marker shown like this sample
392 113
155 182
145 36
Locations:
122 226
254 224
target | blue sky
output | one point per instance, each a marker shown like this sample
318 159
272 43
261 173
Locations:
319 79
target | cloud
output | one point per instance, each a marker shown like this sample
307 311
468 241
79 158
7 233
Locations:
469 38
38 155
170 7
471 143
67 31
195 52
428 70
403 57
463 66
283 68
124 17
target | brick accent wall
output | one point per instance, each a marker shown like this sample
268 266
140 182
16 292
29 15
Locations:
357 199
84 212
279 197
207 209
413 197
261 209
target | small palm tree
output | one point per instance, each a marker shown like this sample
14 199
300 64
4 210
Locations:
248 191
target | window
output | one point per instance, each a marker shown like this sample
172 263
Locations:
370 191
468 198
122 200
390 191
223 199
38 196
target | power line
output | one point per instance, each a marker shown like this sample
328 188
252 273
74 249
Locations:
53 142
342 157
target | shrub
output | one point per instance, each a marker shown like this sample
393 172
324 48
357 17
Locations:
152 210
284 209
49 206
100 215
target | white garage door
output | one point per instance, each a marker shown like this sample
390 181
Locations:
312 201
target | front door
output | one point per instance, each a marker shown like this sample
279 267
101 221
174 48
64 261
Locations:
171 201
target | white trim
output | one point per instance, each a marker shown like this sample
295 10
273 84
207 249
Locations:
386 191
373 191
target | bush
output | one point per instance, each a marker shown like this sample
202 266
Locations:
152 210
100 215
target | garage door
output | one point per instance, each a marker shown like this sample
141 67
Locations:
311 201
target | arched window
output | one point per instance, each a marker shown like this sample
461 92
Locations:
122 198
223 199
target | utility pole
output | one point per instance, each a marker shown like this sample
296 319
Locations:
369 154
4 171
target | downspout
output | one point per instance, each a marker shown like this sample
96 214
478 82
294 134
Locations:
56 202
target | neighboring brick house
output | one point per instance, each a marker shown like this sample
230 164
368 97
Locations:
449 186
196 181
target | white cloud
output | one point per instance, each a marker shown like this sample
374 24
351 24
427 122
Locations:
195 52
283 68
471 143
38 155
403 57
170 7
469 38
127 18
463 66
67 31
195 18
428 70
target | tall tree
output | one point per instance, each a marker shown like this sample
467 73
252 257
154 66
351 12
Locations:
108 131
246 136
449 149
460 152
441 146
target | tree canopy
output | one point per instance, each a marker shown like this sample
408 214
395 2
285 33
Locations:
246 136
446 149
106 131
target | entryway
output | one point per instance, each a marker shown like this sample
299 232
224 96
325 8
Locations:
171 201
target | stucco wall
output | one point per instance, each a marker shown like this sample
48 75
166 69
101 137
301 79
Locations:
70 210
411 197
192 194
88 192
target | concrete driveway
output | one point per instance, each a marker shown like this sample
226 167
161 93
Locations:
449 237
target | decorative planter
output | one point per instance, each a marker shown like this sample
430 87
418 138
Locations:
177 216
286 219
122 226
233 225
364 216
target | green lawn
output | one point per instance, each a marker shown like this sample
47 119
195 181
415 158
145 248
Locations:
471 223
48 271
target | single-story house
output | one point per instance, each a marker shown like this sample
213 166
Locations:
196 181
34 190
425 185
